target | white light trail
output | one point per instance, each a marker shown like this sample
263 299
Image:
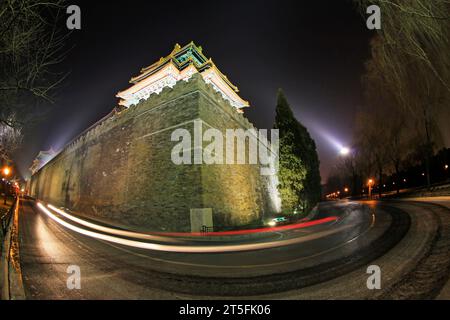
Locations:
111 230
187 249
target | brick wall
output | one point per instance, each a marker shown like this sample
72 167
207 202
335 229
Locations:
121 169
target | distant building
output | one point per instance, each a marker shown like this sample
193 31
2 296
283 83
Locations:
41 159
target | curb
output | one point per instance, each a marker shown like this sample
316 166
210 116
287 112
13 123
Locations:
11 273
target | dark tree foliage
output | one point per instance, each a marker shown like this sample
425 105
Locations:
299 173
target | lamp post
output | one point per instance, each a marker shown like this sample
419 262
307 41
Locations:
370 185
6 171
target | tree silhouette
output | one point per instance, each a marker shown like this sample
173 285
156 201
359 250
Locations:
299 173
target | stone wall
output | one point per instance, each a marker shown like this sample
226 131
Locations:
121 168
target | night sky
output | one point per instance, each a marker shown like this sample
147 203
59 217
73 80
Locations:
314 50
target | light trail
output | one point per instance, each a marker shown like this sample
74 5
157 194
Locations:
175 248
250 231
165 235
118 232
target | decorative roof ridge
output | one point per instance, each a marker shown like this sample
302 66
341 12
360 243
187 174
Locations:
177 48
171 57
179 65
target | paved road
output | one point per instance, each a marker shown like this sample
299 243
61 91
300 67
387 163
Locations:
113 271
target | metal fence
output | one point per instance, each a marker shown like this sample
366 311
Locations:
5 221
206 229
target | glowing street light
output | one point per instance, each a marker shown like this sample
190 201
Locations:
344 151
346 190
370 185
6 171
446 167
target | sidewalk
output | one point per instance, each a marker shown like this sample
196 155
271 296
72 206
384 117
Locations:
430 199
437 190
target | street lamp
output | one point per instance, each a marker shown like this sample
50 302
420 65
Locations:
344 151
370 185
6 171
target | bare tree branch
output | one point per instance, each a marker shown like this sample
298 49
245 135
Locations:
32 45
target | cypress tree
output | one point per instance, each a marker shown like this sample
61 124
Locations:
298 173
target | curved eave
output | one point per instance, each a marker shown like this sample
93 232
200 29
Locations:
149 73
224 78
145 82
220 82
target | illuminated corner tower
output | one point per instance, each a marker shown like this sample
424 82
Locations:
194 88
121 169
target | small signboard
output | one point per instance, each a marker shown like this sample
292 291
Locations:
201 218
